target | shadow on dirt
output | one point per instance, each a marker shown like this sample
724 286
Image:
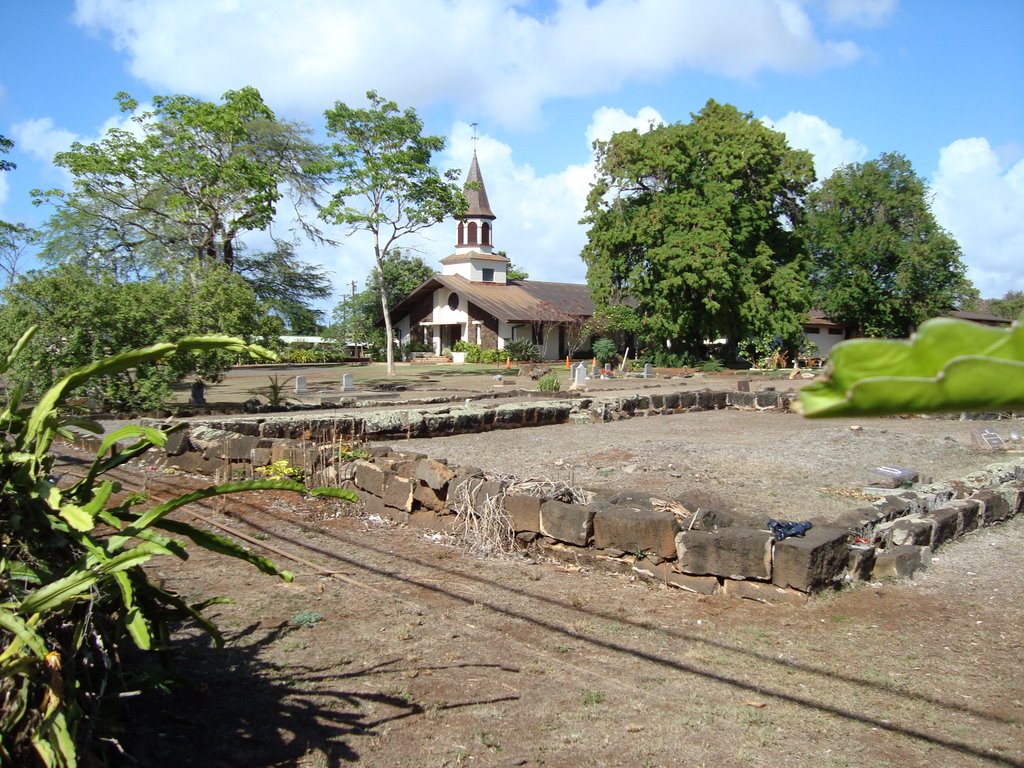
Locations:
230 707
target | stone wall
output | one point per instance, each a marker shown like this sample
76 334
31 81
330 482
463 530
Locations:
693 550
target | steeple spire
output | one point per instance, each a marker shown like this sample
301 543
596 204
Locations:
476 194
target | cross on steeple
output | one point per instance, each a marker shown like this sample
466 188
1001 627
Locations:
475 137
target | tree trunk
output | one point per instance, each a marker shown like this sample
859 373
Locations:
389 334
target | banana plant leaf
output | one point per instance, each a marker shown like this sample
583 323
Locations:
947 366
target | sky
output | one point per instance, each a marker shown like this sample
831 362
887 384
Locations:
939 81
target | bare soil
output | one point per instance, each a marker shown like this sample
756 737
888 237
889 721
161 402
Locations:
394 647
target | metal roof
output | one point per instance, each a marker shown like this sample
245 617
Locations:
517 301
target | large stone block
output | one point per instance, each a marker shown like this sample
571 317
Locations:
635 530
433 473
398 492
733 553
523 511
911 531
860 562
427 498
177 443
370 478
993 506
969 510
900 562
571 523
811 562
945 524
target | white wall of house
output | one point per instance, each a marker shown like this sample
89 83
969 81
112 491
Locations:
824 338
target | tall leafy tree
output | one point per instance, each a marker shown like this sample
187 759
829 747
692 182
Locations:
387 187
695 222
881 263
186 181
82 316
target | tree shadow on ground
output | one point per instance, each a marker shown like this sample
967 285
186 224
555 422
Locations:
229 707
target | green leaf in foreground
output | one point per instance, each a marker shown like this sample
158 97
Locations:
948 365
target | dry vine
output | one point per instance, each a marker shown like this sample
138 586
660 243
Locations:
487 529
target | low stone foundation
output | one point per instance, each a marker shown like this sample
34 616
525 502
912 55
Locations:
693 550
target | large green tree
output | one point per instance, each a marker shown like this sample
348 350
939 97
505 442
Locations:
881 263
695 222
387 187
82 316
286 284
185 182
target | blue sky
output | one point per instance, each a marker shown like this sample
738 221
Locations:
937 80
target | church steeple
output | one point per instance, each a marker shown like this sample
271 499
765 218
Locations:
475 258
474 230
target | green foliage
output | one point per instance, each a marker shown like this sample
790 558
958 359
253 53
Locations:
522 350
766 352
73 593
695 222
549 383
710 366
307 618
386 185
1011 306
613 318
477 354
188 181
881 263
274 391
665 358
604 350
81 317
949 365
281 470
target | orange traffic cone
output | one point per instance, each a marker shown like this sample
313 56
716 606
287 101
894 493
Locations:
508 363
568 365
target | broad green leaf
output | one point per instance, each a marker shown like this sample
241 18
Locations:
949 365
55 594
224 546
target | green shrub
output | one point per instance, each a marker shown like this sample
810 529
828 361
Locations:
549 383
523 350
666 359
604 351
711 366
73 593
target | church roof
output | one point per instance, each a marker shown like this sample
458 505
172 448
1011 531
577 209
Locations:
517 301
462 258
476 194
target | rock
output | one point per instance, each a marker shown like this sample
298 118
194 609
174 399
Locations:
763 593
370 478
860 562
811 562
664 573
635 530
571 523
398 492
433 473
524 511
900 562
735 553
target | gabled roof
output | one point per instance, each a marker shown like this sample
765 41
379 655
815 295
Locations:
477 206
517 301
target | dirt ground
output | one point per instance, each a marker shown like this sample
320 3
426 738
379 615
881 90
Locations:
393 647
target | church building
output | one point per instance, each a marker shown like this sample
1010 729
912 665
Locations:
473 300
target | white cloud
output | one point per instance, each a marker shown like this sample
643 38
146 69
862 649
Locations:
981 203
863 13
490 58
827 143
